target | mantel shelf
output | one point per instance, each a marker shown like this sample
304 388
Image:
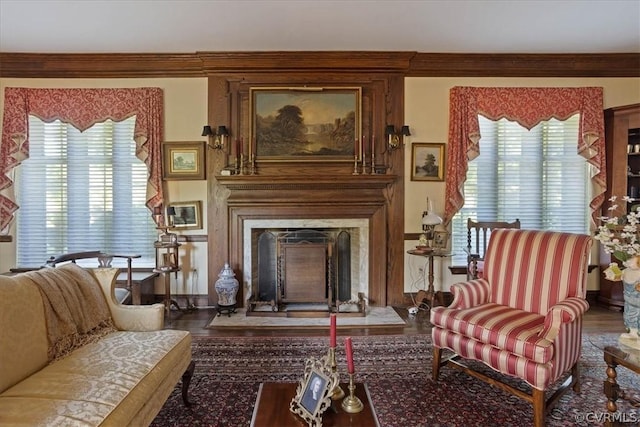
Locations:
305 181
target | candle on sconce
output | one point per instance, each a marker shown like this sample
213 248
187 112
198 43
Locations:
362 147
332 331
349 352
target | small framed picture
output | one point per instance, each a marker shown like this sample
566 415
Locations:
441 240
313 394
314 391
188 215
427 161
183 160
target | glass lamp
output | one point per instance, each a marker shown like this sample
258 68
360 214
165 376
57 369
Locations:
429 222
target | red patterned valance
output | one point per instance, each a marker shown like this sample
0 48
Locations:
81 108
527 106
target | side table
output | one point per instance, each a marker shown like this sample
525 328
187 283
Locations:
434 297
616 354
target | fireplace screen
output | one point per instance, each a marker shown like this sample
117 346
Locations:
304 267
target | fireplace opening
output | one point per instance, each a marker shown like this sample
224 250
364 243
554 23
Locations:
305 270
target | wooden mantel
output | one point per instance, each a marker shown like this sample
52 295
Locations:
248 197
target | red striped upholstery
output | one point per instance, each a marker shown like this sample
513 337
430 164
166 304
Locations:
524 318
533 270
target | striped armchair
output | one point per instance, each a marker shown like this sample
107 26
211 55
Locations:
524 317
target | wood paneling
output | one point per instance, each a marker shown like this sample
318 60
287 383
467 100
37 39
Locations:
416 64
308 189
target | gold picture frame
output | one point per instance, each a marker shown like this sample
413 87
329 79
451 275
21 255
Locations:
183 160
427 161
188 215
322 123
313 394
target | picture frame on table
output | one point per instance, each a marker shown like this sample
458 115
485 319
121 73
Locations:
441 240
188 215
314 391
183 160
427 161
291 124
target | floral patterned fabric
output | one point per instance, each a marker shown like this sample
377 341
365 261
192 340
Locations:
528 107
82 108
121 379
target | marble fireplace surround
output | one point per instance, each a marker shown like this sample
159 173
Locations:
255 201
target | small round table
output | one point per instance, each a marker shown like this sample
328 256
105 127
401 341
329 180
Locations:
434 297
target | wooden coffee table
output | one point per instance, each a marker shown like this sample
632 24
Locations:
272 408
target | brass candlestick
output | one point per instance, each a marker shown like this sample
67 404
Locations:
355 166
337 393
351 403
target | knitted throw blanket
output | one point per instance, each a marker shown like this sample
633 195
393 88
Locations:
74 306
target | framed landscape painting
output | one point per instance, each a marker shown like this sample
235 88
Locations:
427 161
183 160
188 215
305 124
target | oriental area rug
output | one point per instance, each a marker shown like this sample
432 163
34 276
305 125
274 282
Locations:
397 371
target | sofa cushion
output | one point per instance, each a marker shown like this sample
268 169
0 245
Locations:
507 328
107 382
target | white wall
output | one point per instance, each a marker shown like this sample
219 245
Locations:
427 113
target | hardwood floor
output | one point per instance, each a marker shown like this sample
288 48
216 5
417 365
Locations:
596 320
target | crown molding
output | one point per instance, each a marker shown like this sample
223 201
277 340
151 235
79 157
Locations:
415 64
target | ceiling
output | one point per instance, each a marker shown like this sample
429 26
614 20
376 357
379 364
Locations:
432 26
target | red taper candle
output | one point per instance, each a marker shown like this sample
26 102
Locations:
332 332
349 351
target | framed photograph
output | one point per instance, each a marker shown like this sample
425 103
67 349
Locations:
313 394
305 123
427 161
183 160
188 215
441 240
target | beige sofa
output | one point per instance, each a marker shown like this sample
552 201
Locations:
117 374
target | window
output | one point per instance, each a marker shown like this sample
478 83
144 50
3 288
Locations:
536 176
82 192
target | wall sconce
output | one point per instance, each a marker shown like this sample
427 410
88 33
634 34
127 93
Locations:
394 138
218 137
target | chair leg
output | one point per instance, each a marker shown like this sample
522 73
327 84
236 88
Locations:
539 408
435 366
575 377
186 380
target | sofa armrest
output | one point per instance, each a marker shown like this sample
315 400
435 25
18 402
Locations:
566 311
469 294
128 317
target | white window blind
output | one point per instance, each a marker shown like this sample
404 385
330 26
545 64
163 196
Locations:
536 176
82 192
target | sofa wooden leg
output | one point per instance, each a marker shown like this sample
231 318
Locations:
186 380
575 377
435 367
539 408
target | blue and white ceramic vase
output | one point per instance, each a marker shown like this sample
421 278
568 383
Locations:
227 287
631 315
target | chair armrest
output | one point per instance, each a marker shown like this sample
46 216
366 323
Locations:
128 317
469 294
566 311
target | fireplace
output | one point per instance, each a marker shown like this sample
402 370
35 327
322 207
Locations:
246 205
333 254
